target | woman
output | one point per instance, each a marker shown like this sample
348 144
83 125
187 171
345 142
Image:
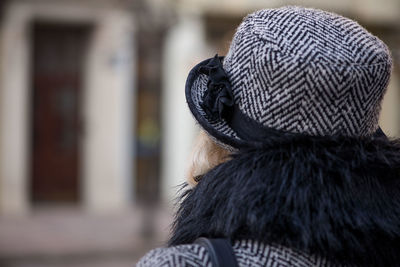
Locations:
297 172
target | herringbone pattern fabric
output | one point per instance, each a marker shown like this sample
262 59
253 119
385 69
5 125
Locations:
248 254
304 71
185 255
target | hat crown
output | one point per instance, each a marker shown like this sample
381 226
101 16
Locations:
308 71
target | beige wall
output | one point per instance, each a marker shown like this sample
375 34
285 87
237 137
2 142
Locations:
1 71
185 46
370 10
390 114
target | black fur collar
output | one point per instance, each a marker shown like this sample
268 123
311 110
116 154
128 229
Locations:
336 197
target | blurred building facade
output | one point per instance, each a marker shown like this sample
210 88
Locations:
66 104
92 93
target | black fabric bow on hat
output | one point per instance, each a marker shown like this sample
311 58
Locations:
218 99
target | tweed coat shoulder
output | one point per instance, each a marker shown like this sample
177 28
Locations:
248 254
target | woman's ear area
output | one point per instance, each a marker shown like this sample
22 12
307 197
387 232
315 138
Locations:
206 154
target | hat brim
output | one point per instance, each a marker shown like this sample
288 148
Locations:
220 130
196 86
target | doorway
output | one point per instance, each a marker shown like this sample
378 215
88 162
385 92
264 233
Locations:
58 53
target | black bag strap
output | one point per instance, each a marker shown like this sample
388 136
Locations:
220 250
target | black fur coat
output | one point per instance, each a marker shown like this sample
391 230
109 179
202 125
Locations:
337 197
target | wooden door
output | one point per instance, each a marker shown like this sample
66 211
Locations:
57 66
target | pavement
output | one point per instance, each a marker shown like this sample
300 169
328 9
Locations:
64 237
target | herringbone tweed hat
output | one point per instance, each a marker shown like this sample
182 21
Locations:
295 70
